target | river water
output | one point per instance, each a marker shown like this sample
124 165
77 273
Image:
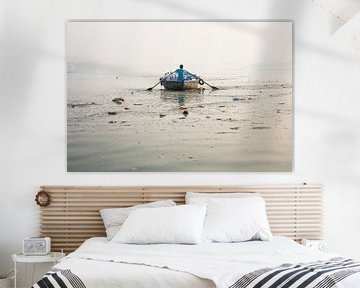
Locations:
246 126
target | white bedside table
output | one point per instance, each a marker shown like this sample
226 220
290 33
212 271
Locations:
53 257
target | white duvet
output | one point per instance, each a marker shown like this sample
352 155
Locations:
100 263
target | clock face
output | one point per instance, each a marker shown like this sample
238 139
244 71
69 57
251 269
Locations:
323 247
40 245
29 245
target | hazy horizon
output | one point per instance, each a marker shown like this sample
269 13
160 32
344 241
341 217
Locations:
155 47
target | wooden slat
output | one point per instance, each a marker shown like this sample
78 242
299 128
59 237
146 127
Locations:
73 216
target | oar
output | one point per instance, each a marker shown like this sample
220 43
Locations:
149 89
212 87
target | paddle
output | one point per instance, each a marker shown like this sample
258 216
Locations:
212 87
149 89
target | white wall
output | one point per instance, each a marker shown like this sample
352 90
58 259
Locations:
33 110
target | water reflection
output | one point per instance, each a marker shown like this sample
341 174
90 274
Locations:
182 97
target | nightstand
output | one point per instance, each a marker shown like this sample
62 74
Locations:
320 245
53 257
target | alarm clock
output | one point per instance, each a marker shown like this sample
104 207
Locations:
320 245
36 246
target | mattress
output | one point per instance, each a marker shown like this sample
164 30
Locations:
99 263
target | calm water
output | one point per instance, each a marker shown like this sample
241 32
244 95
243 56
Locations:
247 126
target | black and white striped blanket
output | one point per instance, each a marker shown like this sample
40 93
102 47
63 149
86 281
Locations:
59 278
320 274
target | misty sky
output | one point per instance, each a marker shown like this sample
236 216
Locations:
140 47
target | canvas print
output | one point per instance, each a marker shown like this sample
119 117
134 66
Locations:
179 96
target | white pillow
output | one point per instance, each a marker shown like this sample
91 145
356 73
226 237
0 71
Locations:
113 218
180 224
236 220
204 198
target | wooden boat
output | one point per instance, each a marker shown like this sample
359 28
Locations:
180 85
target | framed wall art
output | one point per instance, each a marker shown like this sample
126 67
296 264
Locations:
179 96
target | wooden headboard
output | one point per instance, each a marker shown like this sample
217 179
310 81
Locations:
73 215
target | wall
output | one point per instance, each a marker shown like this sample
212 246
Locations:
33 115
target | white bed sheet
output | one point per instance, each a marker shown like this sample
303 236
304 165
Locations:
100 263
111 274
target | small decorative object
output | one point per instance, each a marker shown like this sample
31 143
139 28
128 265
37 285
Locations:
320 245
36 246
42 198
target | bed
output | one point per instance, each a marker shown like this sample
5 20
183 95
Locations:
99 263
294 211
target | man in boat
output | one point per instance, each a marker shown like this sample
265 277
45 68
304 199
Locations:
180 79
183 80
180 73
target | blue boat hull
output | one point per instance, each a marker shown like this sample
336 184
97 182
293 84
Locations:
180 85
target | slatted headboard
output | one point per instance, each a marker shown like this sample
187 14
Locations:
73 215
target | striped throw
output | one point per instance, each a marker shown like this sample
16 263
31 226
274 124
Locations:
59 278
320 274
